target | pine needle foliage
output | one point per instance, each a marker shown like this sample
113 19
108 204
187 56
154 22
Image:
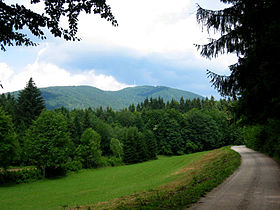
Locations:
251 30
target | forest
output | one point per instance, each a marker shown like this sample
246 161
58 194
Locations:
55 142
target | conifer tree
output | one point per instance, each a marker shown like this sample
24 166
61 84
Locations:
30 104
129 145
151 144
251 30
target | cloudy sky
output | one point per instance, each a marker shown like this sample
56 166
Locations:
153 45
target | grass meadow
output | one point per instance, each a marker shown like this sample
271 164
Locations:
89 187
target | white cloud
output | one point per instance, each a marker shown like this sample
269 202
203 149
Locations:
163 27
47 74
148 26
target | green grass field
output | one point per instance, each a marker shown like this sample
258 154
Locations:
93 186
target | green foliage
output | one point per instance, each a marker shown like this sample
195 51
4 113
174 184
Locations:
88 152
104 130
110 161
253 136
47 141
151 144
264 138
30 104
129 148
20 176
9 146
8 103
116 148
74 165
203 130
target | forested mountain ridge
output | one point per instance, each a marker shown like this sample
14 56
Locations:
80 97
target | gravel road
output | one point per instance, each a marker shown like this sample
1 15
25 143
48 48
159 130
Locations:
255 185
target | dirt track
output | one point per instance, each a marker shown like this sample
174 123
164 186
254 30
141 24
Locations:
255 185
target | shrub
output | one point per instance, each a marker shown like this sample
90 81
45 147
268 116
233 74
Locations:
20 176
73 165
110 161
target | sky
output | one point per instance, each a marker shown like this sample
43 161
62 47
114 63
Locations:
153 45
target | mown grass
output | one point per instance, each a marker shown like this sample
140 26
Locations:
90 187
193 181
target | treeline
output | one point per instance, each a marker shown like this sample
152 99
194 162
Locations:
61 140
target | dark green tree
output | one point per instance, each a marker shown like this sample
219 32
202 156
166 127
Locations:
125 118
201 131
151 144
170 138
86 121
8 103
129 145
30 104
250 29
76 129
16 17
9 147
141 148
47 143
105 131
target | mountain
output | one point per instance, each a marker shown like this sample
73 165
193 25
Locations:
81 97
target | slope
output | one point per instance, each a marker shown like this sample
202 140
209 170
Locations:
80 97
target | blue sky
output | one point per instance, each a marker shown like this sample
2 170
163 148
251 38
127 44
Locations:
153 45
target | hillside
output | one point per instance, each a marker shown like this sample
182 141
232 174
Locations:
86 96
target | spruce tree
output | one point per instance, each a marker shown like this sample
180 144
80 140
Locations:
151 144
129 146
30 104
251 30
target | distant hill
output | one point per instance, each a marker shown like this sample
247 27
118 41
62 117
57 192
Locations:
81 97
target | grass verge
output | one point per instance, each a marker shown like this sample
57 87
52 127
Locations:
192 182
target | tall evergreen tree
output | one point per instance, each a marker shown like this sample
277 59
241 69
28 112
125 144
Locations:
129 145
151 144
250 29
30 104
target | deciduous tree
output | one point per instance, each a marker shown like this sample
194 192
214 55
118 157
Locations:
88 152
16 17
8 142
47 142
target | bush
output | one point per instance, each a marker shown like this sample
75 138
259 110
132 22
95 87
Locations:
110 161
20 176
265 138
253 136
73 165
